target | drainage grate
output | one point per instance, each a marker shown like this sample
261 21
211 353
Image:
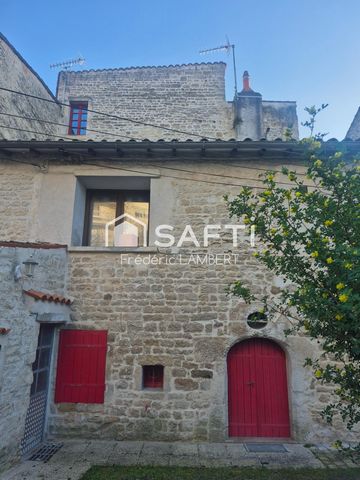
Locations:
45 452
265 448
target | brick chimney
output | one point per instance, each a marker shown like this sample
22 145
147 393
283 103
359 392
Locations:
248 112
246 82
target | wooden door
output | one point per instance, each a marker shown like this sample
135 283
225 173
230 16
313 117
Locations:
257 390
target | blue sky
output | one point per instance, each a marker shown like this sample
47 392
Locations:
301 50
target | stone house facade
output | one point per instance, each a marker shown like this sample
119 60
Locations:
184 99
145 343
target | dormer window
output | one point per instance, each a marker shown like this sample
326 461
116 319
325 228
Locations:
78 118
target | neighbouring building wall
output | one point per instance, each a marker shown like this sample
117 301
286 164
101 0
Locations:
16 74
18 346
190 98
187 98
278 117
19 187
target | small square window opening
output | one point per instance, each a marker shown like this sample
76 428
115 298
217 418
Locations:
153 376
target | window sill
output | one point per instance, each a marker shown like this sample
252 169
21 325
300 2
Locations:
114 249
152 389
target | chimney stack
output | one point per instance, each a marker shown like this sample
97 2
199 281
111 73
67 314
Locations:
248 112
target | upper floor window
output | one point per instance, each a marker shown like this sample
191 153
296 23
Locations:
78 118
117 218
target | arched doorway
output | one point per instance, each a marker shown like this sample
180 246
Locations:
257 390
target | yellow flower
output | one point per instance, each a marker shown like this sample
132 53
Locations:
340 286
343 298
318 163
348 266
314 254
273 231
325 240
327 223
255 254
298 194
338 316
318 374
329 260
246 221
270 177
267 193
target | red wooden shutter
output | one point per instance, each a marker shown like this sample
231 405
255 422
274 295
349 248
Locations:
81 366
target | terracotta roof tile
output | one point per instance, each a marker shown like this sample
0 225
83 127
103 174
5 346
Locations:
45 245
48 297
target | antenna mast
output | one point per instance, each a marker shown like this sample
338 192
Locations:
227 47
69 63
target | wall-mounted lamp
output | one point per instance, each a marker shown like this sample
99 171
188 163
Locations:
30 265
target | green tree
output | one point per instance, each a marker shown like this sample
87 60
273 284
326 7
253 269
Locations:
309 234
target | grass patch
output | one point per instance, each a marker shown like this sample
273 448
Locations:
232 473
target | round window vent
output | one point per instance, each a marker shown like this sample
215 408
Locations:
257 320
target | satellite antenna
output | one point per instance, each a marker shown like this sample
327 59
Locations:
69 63
224 48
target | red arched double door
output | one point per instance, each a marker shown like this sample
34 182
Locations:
257 390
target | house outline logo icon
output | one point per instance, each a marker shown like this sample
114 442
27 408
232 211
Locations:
134 220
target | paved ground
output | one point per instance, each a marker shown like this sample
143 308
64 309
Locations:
77 456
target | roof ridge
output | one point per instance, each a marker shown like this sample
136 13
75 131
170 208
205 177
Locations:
143 67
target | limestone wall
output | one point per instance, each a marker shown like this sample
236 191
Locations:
19 187
278 117
18 347
183 97
16 74
177 315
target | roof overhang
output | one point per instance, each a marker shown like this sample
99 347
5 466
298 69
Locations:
142 150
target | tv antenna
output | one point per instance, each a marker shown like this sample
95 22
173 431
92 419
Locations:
224 48
69 63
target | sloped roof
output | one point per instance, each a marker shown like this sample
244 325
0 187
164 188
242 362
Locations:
354 130
47 297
